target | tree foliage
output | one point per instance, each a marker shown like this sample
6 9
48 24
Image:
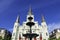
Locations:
54 39
0 38
6 38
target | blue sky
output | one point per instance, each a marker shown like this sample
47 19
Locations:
9 9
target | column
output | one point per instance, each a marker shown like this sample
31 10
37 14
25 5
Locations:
34 38
20 38
40 36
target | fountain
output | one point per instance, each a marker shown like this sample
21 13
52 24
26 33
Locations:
30 35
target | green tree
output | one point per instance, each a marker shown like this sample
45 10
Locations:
58 39
52 39
0 38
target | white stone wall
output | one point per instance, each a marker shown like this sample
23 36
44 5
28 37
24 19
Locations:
57 35
2 33
38 29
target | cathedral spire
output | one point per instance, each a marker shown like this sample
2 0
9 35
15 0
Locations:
30 10
17 20
43 20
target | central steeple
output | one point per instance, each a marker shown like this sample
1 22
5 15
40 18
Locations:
30 16
30 11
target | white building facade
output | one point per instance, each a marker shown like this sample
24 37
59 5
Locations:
2 32
19 30
5 33
55 33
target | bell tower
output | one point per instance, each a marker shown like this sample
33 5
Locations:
44 28
15 35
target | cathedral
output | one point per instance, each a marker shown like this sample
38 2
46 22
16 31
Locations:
30 29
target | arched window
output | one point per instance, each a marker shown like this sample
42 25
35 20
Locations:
46 34
13 34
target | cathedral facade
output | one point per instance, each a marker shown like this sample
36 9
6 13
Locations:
30 29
